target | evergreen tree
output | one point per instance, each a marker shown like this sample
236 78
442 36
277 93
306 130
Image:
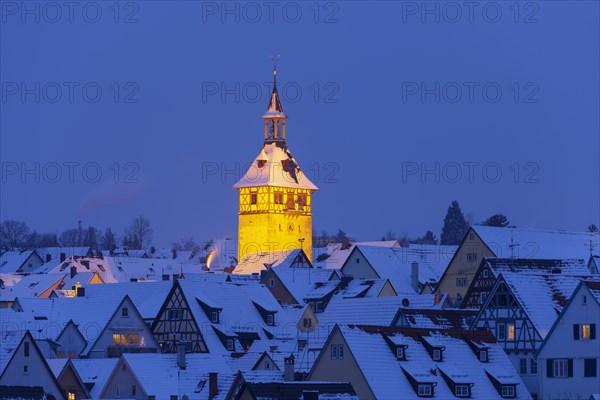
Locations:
592 228
90 238
455 225
108 240
499 220
427 238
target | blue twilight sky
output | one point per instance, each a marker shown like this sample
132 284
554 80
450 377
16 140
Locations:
110 110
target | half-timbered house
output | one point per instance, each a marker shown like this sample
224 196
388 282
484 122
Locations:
520 310
491 267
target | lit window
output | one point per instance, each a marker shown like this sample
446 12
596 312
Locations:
501 332
134 338
561 368
278 198
424 390
461 391
585 331
511 331
508 391
70 396
116 339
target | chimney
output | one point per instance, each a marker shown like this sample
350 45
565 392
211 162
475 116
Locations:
181 354
73 271
212 385
437 297
174 254
415 276
345 281
63 257
48 257
80 291
288 372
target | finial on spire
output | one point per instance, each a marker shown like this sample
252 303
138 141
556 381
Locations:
275 117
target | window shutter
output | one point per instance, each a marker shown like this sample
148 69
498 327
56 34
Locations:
593 331
575 331
549 368
570 367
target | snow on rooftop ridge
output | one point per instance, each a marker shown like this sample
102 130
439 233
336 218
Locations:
536 243
275 166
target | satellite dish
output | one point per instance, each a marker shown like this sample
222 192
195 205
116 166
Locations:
405 302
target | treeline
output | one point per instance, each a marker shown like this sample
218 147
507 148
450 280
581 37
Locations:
16 235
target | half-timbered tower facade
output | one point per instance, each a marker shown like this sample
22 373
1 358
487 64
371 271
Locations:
275 205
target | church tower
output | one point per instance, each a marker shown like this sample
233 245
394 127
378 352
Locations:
275 209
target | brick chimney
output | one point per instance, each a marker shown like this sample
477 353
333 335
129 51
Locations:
181 354
414 267
212 384
288 372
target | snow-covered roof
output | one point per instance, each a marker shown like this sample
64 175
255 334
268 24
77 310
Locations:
533 243
30 286
534 265
94 372
437 318
10 279
542 296
105 267
11 261
146 296
371 310
334 255
239 311
160 376
594 288
55 252
275 166
302 281
387 376
254 263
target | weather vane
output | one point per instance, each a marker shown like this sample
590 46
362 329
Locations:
275 58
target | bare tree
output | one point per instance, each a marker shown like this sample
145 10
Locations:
13 234
140 233
69 238
186 244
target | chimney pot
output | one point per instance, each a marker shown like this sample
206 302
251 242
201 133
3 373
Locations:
288 372
63 257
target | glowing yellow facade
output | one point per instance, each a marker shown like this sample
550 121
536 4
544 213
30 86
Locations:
275 204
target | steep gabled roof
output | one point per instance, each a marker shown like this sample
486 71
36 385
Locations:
275 166
31 286
439 318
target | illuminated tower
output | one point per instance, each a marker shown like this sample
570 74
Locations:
275 211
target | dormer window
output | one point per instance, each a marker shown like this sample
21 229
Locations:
400 353
270 319
425 390
437 354
214 317
230 344
461 391
508 391
211 310
267 315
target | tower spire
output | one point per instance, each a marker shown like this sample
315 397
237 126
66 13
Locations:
274 118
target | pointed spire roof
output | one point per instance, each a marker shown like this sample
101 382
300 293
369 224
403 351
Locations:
275 108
